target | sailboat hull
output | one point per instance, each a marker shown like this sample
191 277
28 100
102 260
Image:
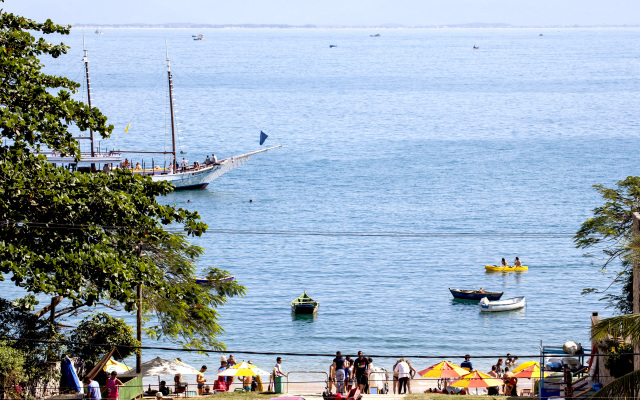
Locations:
200 178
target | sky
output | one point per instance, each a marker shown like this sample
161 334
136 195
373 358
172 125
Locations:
332 12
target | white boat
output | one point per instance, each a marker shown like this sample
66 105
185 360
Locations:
198 37
98 31
192 177
501 305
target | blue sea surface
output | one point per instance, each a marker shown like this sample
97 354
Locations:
409 161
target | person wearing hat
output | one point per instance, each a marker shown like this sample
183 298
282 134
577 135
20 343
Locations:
200 379
113 386
466 364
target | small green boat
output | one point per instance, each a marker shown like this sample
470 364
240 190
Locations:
304 305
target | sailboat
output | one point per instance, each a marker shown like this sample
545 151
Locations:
88 160
191 177
187 177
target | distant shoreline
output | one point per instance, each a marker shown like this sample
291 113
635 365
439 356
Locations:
390 27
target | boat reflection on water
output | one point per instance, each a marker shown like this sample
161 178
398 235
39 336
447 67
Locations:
303 318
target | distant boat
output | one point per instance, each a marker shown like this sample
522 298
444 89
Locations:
505 269
331 46
502 305
475 294
376 35
210 282
475 47
304 305
541 34
98 31
198 37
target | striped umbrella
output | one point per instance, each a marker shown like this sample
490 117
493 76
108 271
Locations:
477 379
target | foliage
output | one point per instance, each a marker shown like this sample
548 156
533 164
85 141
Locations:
29 334
619 361
12 364
81 236
610 230
622 388
98 329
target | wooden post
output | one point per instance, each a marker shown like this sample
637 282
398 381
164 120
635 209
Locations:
139 330
636 284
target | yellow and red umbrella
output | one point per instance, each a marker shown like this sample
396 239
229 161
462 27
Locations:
477 379
443 369
531 372
525 365
243 369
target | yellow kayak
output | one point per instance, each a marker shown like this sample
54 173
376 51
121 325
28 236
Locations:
506 269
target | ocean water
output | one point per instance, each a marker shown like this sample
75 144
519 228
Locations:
409 161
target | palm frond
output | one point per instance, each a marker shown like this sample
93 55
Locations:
625 387
626 327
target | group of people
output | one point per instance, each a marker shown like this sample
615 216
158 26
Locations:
516 263
347 374
502 370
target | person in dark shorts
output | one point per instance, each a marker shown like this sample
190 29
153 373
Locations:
360 366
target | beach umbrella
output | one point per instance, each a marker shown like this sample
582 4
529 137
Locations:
443 369
532 372
477 379
525 365
242 369
159 366
113 365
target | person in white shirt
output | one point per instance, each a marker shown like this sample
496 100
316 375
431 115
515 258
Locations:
277 370
402 368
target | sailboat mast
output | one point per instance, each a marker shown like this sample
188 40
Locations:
173 123
86 69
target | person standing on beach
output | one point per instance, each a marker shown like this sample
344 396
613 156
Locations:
113 386
412 373
466 364
348 371
338 367
499 369
200 380
222 383
277 370
231 361
402 368
359 368
93 389
395 376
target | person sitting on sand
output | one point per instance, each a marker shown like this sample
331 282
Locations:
504 263
517 262
493 390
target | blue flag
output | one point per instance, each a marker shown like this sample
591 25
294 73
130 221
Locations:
263 137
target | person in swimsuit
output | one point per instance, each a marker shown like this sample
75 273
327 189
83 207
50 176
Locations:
504 263
517 262
200 380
